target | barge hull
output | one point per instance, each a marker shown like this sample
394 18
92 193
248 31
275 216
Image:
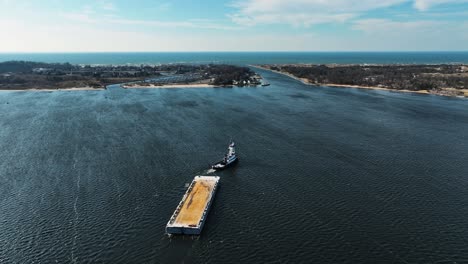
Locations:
192 211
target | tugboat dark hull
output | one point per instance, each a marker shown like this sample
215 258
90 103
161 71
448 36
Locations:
222 166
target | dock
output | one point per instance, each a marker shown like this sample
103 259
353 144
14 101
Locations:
192 211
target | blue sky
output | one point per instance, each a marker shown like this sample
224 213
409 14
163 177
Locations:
233 25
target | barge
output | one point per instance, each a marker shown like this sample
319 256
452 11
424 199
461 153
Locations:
192 211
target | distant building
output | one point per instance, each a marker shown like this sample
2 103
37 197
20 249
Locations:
41 70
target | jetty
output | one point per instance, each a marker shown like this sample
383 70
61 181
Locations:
192 211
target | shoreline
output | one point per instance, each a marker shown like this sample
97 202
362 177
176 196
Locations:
306 82
167 86
54 90
36 76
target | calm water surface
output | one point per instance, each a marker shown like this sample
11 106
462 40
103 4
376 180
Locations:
327 175
243 57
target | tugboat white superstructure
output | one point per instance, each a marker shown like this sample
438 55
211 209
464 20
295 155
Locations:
229 159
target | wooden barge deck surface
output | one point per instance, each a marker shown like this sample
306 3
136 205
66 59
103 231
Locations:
190 215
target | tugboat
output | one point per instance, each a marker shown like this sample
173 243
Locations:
229 159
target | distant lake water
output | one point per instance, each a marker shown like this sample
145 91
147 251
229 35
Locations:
326 175
243 57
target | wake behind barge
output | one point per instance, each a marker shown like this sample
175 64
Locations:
191 213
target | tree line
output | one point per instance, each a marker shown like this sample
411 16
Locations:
409 77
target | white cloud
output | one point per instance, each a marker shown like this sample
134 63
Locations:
424 5
107 5
298 19
385 26
311 12
109 20
303 12
251 6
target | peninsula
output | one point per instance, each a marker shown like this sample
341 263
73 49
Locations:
198 76
441 79
26 75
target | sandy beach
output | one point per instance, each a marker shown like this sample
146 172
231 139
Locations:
194 85
306 82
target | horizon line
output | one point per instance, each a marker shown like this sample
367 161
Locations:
263 51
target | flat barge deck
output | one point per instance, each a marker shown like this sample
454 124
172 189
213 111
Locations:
190 215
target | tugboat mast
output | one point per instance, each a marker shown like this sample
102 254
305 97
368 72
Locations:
232 149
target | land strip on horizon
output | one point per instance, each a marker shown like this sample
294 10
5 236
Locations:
24 75
439 79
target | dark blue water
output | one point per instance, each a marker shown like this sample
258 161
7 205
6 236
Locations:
327 175
243 57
